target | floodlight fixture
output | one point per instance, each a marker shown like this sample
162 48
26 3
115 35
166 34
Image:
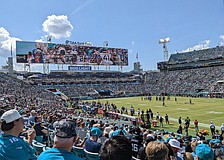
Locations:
49 39
164 41
105 43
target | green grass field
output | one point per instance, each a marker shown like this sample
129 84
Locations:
204 110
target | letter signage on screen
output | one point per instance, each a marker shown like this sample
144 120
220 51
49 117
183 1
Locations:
79 68
50 53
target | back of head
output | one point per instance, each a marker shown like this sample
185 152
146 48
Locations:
188 156
8 118
66 128
116 148
156 150
204 152
65 134
174 143
95 132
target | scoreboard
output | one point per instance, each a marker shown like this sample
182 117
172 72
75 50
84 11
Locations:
51 53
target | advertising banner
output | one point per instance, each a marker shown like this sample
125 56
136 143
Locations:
79 68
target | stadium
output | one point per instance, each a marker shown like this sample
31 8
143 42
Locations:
194 77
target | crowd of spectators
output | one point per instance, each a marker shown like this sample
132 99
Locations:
49 116
105 138
43 111
199 55
184 82
17 93
179 82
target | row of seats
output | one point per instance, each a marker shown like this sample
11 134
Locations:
82 153
78 151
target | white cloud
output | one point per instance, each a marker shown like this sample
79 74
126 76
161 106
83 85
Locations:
200 46
221 43
6 41
57 26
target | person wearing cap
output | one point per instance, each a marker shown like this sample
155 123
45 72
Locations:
31 120
204 152
116 148
64 139
91 144
119 131
175 145
11 146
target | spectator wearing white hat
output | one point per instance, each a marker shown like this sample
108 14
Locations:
31 120
12 147
175 145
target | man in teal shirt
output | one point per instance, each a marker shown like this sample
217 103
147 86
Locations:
64 140
12 147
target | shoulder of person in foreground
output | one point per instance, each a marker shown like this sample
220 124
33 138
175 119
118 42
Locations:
57 154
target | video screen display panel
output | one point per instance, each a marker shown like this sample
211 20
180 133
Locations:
51 53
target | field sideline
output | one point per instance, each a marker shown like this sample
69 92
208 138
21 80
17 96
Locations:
204 110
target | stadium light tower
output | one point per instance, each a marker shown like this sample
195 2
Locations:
105 43
164 41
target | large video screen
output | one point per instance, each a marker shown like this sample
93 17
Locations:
50 53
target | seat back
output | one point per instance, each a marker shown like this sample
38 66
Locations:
39 139
38 147
78 151
91 156
46 148
133 158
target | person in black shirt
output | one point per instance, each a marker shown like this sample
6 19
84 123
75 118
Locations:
136 140
141 153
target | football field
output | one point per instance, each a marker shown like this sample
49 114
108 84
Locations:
204 110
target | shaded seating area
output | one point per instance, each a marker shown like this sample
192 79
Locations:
38 147
91 156
79 152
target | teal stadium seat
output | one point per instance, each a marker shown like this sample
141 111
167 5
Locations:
91 156
38 147
39 139
45 148
78 151
133 158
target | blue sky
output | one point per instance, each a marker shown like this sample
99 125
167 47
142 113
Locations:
135 25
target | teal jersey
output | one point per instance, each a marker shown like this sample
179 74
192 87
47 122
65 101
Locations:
14 148
57 154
